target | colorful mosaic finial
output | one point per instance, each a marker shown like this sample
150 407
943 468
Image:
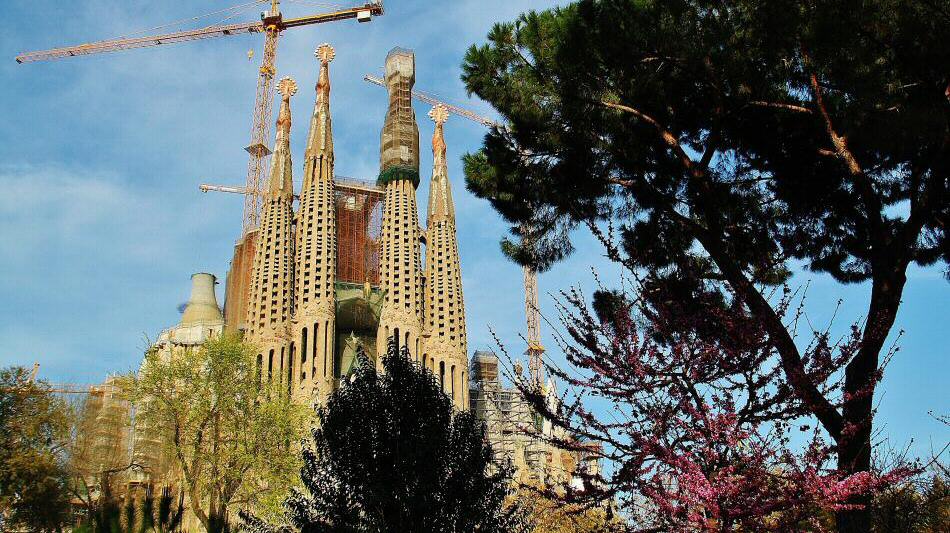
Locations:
325 53
287 87
439 114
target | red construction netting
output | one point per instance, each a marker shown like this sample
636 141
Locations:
359 220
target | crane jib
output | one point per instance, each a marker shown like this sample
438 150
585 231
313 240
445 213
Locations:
361 13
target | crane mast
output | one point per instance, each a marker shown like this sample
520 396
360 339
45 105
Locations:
257 163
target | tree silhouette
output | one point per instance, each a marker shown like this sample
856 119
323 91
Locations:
390 454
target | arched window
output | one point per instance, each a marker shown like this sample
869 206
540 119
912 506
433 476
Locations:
396 337
464 388
442 375
303 347
452 381
280 372
290 369
407 345
326 346
316 339
270 366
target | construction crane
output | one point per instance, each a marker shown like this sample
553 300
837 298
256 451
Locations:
341 182
272 23
535 351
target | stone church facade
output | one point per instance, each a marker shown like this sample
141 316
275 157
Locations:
345 270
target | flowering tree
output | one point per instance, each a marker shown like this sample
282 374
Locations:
740 141
703 429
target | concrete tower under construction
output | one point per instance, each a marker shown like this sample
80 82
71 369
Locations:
400 265
344 271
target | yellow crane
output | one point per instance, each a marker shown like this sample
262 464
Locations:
271 24
535 351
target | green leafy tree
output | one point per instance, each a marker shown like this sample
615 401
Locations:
915 507
34 424
390 454
725 143
230 433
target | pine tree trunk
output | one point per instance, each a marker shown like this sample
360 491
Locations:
854 447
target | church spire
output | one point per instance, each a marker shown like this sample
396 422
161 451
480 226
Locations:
281 179
445 341
400 267
271 298
314 318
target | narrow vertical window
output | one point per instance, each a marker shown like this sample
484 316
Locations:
316 341
442 375
270 366
452 381
396 338
280 374
326 346
303 347
290 369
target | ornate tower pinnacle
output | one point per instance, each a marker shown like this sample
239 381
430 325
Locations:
320 139
271 299
440 193
281 178
314 322
446 343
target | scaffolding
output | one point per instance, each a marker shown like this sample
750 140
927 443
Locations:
359 218
399 140
509 420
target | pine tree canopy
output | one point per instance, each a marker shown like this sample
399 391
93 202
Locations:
691 114
389 454
716 146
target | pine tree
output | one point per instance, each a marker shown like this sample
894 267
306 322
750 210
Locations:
727 144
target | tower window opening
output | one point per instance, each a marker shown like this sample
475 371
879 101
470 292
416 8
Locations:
442 375
290 369
270 366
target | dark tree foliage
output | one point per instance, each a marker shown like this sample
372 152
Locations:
33 476
726 142
389 454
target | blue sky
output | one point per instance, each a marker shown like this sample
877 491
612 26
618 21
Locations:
102 222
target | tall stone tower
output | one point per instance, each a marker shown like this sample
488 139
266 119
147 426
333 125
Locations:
400 265
445 342
270 302
314 321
